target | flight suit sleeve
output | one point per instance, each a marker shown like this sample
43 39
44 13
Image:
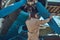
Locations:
44 21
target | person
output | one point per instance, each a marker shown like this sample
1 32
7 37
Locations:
33 23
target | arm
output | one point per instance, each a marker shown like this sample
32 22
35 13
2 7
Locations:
45 21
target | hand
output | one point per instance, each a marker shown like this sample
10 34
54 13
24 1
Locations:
51 16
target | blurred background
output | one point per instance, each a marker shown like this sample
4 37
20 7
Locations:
52 5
